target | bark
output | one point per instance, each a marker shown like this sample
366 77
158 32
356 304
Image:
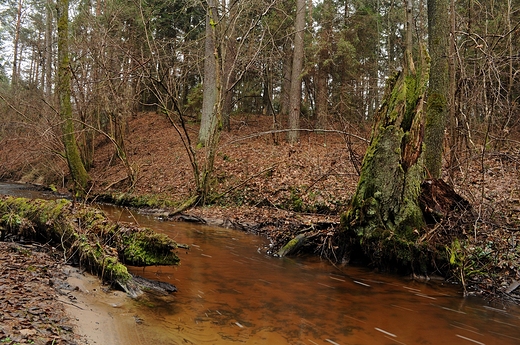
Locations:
408 54
292 246
438 91
286 83
296 78
72 154
384 216
229 74
210 86
452 91
87 237
322 74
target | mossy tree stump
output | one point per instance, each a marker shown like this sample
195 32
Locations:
384 217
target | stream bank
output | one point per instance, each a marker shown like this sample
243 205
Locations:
280 189
229 290
44 301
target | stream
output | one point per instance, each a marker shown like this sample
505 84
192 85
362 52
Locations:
231 292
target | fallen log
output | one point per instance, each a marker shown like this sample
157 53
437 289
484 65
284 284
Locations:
87 238
293 245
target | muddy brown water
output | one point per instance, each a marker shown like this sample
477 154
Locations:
231 292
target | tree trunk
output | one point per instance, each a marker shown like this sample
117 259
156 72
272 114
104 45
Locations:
210 86
438 91
209 131
77 169
322 73
267 108
452 91
229 74
408 53
296 78
286 82
384 216
16 42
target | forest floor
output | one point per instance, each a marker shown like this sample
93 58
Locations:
270 187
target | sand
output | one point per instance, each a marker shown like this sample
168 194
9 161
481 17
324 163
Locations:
100 315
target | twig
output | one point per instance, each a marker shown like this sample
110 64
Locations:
72 304
254 135
244 182
116 182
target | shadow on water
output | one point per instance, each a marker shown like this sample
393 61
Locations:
231 292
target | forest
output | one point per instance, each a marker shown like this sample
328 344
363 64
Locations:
326 119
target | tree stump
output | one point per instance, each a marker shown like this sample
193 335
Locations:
384 216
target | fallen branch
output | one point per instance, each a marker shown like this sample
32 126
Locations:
276 131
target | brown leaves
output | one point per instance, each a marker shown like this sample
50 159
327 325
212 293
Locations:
31 312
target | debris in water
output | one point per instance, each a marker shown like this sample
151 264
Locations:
361 283
469 339
353 318
385 332
495 309
453 310
332 287
410 288
425 296
398 306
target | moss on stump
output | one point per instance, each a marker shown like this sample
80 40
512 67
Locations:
384 218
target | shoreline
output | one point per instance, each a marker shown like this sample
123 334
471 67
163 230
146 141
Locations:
100 315
44 301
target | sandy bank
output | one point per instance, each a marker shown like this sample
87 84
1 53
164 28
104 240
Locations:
100 315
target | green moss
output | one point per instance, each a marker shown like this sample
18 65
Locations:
384 217
148 248
115 270
87 235
292 245
147 201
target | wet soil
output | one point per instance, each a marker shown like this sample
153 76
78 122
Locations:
44 301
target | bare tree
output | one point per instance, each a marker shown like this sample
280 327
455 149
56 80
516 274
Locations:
16 43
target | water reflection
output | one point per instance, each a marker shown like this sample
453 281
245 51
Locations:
230 292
